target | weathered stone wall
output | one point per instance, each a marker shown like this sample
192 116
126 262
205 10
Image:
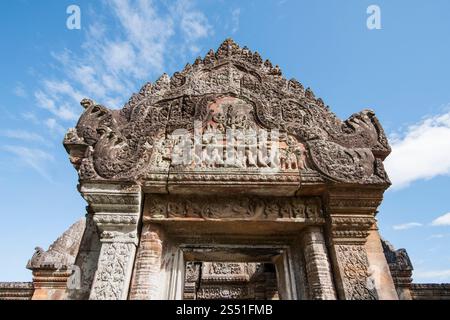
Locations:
379 268
16 290
53 268
430 291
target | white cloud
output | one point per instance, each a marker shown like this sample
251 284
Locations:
405 226
22 135
58 88
441 275
37 159
20 91
235 15
54 126
438 236
422 153
31 117
194 24
443 220
118 57
63 111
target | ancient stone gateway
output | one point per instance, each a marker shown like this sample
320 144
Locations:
229 181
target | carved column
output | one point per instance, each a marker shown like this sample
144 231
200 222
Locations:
116 209
147 276
350 217
318 269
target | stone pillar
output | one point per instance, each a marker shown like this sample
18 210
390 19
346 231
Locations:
379 267
116 211
147 275
320 281
350 216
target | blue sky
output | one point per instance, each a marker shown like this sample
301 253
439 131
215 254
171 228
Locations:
401 71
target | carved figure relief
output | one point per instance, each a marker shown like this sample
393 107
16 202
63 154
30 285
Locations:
232 88
247 208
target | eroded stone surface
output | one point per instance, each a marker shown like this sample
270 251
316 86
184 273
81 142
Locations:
232 88
204 176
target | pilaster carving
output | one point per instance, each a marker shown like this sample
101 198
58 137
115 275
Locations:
318 269
116 211
116 259
351 212
355 277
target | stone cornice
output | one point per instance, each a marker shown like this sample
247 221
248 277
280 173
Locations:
16 290
362 200
115 208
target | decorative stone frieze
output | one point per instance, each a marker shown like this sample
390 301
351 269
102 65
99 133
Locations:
230 89
300 209
350 217
16 290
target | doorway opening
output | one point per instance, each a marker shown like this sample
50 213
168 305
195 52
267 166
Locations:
230 280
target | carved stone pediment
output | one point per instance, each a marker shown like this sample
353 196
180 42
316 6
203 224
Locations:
231 89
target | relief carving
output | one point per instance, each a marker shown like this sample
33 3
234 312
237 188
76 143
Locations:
241 207
221 292
356 278
230 280
230 88
112 271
